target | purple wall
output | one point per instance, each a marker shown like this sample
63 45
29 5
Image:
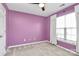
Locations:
48 28
21 25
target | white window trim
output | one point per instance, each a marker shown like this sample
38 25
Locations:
68 41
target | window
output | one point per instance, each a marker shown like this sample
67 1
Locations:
71 26
66 27
60 22
70 20
60 33
60 27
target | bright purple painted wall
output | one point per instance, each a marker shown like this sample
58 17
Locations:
21 25
48 28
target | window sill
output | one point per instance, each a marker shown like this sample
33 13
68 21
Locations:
67 41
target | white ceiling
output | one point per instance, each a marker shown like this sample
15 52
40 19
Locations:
50 8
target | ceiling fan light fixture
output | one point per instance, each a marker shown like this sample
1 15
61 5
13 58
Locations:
41 5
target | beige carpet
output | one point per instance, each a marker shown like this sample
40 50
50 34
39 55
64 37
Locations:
40 49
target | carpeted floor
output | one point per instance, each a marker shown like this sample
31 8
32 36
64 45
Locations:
40 49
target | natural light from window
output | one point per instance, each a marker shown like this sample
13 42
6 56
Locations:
66 27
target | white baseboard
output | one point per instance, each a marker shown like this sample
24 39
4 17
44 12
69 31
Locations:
67 49
42 42
28 44
3 52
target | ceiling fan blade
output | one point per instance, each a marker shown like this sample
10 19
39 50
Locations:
43 9
34 3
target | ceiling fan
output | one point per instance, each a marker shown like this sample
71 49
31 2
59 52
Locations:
41 5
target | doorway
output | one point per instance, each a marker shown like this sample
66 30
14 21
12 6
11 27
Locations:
2 30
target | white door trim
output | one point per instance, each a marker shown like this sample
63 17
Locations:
77 21
3 12
53 39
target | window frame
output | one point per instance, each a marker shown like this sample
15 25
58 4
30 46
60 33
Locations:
66 28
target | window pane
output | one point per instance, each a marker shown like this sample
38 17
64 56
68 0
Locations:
60 31
60 22
68 31
71 37
71 31
60 36
70 20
